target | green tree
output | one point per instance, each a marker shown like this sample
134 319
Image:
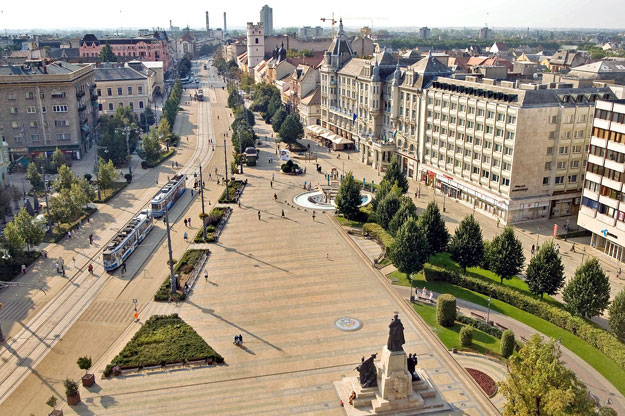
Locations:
383 189
274 104
34 176
150 146
87 189
406 211
5 201
588 293
387 209
409 250
106 174
278 118
433 225
234 99
395 176
446 310
13 240
30 230
466 336
65 178
538 384
148 117
348 198
113 140
106 54
545 273
58 159
66 206
184 67
505 255
507 343
291 130
616 312
467 246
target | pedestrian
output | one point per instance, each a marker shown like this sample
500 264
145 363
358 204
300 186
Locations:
69 234
185 236
282 213
185 222
573 247
239 202
58 269
533 248
123 267
271 183
205 275
63 270
74 262
258 215
313 215
191 193
498 221
275 197
272 176
23 269
90 268
90 238
557 248
189 221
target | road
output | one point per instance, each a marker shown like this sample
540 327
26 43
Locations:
56 314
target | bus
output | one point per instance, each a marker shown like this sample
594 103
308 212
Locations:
127 240
168 195
200 95
251 155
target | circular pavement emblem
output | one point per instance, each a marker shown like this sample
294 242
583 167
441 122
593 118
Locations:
348 324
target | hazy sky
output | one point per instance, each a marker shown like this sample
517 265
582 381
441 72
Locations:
389 13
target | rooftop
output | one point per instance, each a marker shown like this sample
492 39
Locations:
117 74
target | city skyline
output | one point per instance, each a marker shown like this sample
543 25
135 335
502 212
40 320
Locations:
552 15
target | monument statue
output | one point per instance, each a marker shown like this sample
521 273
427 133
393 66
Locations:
395 335
368 372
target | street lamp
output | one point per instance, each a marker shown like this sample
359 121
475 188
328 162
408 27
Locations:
583 254
172 278
127 130
45 188
202 196
488 313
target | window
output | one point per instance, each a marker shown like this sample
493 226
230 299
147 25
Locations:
12 96
494 177
563 150
480 112
119 91
140 104
547 165
140 89
552 134
554 120
501 116
559 180
499 133
572 178
58 94
507 166
561 165
549 150
466 166
486 159
99 92
546 180
487 144
18 139
110 106
582 118
577 149
490 114
479 127
497 148
13 110
470 124
120 104
31 109
505 181
478 141
16 124
579 134
34 138
59 108
489 129
256 40
32 124
132 105
476 170
109 91
574 164
30 95
43 109
63 136
485 174
129 90
61 123
496 163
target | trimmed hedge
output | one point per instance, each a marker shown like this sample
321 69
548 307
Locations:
446 310
233 187
466 336
482 326
507 343
378 233
593 335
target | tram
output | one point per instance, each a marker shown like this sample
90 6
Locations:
168 195
127 240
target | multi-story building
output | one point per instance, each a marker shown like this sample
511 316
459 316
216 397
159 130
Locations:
516 152
601 211
45 106
142 48
121 87
424 32
266 18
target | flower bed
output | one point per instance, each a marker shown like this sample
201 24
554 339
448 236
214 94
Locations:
215 222
235 187
485 381
183 268
162 340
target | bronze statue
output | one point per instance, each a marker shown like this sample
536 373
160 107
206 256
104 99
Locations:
395 335
368 372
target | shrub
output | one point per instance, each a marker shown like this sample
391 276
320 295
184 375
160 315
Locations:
84 363
507 343
617 315
466 336
378 233
52 401
289 166
446 310
482 326
71 387
607 411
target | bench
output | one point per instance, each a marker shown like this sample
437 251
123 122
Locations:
523 339
426 300
478 316
197 362
498 325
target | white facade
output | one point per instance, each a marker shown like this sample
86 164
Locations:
255 44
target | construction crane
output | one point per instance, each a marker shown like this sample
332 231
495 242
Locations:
331 19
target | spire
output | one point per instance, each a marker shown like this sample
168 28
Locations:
341 32
397 74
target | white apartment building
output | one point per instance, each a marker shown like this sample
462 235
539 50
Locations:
121 87
601 211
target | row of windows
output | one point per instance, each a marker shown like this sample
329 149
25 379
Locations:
477 157
606 172
30 95
484 173
562 164
497 132
35 138
33 110
119 105
480 113
604 209
608 154
608 135
610 115
34 124
559 180
120 90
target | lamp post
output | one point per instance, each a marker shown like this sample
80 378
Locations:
226 166
583 254
172 278
488 313
45 188
202 196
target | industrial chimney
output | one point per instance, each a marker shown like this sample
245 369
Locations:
207 26
225 27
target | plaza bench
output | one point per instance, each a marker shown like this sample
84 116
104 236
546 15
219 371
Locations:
498 325
478 316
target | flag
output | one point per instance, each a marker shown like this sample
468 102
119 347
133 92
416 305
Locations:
395 133
354 117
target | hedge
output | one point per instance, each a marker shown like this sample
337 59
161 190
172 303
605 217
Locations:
446 310
593 335
466 336
233 187
507 343
378 233
482 326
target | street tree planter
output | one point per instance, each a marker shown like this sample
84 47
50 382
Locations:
56 413
84 363
73 400
88 380
71 391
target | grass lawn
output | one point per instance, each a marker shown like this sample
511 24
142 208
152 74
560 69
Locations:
482 342
349 223
107 194
599 361
163 339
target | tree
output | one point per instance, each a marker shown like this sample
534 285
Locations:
446 310
406 211
163 131
33 176
30 230
148 117
65 178
274 104
291 130
106 54
387 209
278 118
184 67
84 363
505 255
52 402
106 174
113 140
234 99
13 240
467 246
395 176
538 384
383 189
507 343
86 188
588 293
5 202
409 250
67 205
545 273
617 315
348 198
466 336
58 159
433 225
150 146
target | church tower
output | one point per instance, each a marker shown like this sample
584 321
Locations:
255 45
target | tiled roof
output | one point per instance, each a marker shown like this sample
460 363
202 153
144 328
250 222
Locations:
117 74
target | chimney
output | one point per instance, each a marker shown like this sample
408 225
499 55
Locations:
225 28
207 26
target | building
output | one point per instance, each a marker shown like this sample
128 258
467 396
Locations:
121 87
601 212
142 48
255 44
5 161
154 72
44 106
485 33
185 46
424 32
308 32
604 70
266 18
566 59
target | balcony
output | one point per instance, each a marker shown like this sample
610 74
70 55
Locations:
79 94
82 108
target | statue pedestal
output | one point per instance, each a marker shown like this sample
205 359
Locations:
395 384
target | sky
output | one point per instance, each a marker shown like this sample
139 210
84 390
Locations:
113 14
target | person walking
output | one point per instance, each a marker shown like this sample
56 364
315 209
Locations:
185 236
90 268
533 248
189 221
23 269
205 275
275 197
123 267
271 184
272 176
185 222
69 234
258 215
313 215
74 262
282 213
91 239
58 269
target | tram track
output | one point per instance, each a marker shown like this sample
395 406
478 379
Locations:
23 352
